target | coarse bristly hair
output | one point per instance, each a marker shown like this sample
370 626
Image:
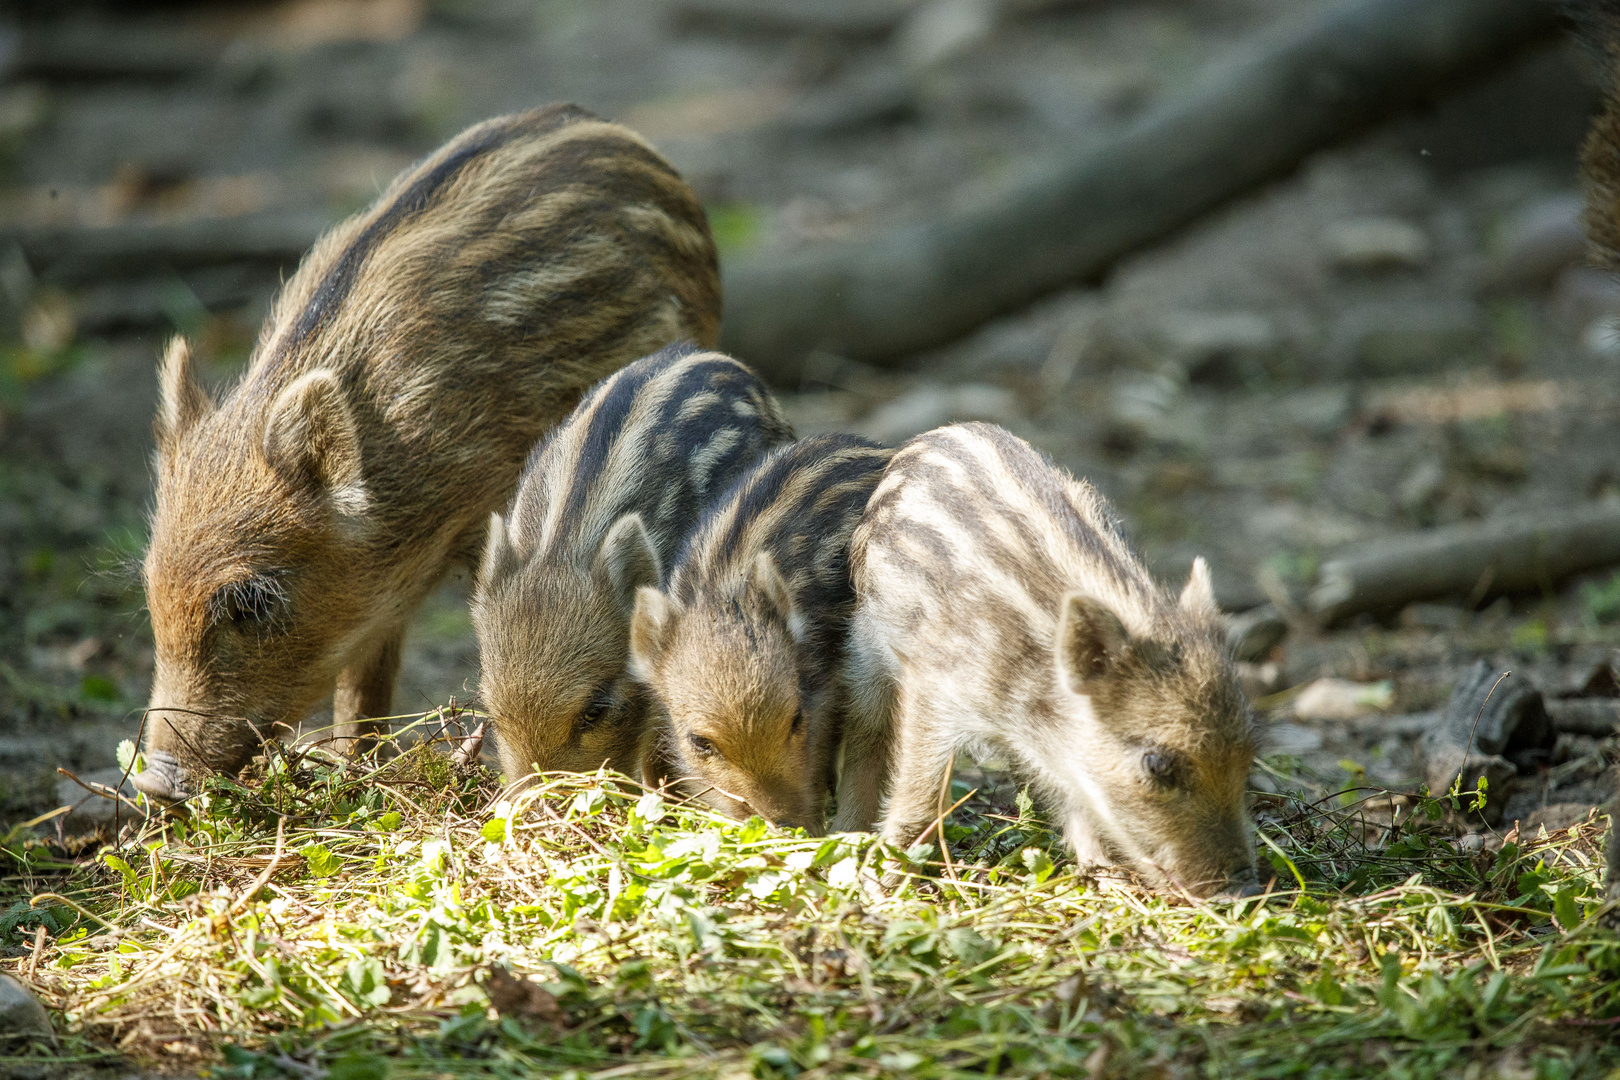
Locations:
1000 611
743 652
602 507
1598 22
406 369
1599 25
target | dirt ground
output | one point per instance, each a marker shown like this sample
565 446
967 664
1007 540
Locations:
1399 335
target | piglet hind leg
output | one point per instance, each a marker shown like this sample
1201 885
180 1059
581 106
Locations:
921 763
866 703
365 692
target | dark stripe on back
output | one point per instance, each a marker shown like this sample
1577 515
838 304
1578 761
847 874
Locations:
339 280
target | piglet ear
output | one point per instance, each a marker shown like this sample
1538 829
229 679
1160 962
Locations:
650 625
627 561
1198 598
1090 642
766 581
182 401
311 440
501 557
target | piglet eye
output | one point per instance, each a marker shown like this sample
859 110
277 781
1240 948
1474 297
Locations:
798 722
1160 767
700 745
596 709
254 604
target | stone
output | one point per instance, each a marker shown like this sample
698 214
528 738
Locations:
1426 616
1321 412
1216 345
931 406
1376 244
1584 294
1406 338
938 31
1538 240
1293 739
1341 699
22 1017
1421 486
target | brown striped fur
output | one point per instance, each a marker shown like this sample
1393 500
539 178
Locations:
744 651
1599 21
1600 156
406 369
1002 613
601 510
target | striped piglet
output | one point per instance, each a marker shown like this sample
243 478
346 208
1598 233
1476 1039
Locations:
602 507
1002 612
743 652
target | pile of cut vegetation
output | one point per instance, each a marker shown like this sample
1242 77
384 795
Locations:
405 917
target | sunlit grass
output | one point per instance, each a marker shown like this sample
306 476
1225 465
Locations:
357 920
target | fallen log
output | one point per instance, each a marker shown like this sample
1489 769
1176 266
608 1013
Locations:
1303 86
839 18
68 255
1474 560
1598 717
84 49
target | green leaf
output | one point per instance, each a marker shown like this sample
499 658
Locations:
123 868
126 755
494 830
1565 910
366 981
1038 863
968 945
358 1066
322 863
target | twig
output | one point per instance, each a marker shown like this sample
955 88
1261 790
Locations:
38 898
101 789
39 948
264 876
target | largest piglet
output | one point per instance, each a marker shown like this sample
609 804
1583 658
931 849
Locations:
406 369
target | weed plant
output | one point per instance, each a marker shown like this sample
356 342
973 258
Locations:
404 916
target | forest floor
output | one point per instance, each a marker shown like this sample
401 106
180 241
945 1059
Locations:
1398 336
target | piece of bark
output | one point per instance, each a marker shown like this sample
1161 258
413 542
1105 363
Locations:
1493 726
1252 634
1598 717
1305 85
70 255
1474 560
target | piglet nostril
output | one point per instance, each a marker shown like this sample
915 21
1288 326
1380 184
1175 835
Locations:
1243 889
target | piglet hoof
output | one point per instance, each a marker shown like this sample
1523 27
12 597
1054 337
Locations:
164 780
1242 889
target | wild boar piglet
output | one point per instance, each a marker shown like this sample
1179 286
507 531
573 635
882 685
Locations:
743 653
404 373
602 507
1000 611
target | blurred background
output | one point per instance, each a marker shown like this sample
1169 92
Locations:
1391 328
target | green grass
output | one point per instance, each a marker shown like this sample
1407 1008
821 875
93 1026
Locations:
356 921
